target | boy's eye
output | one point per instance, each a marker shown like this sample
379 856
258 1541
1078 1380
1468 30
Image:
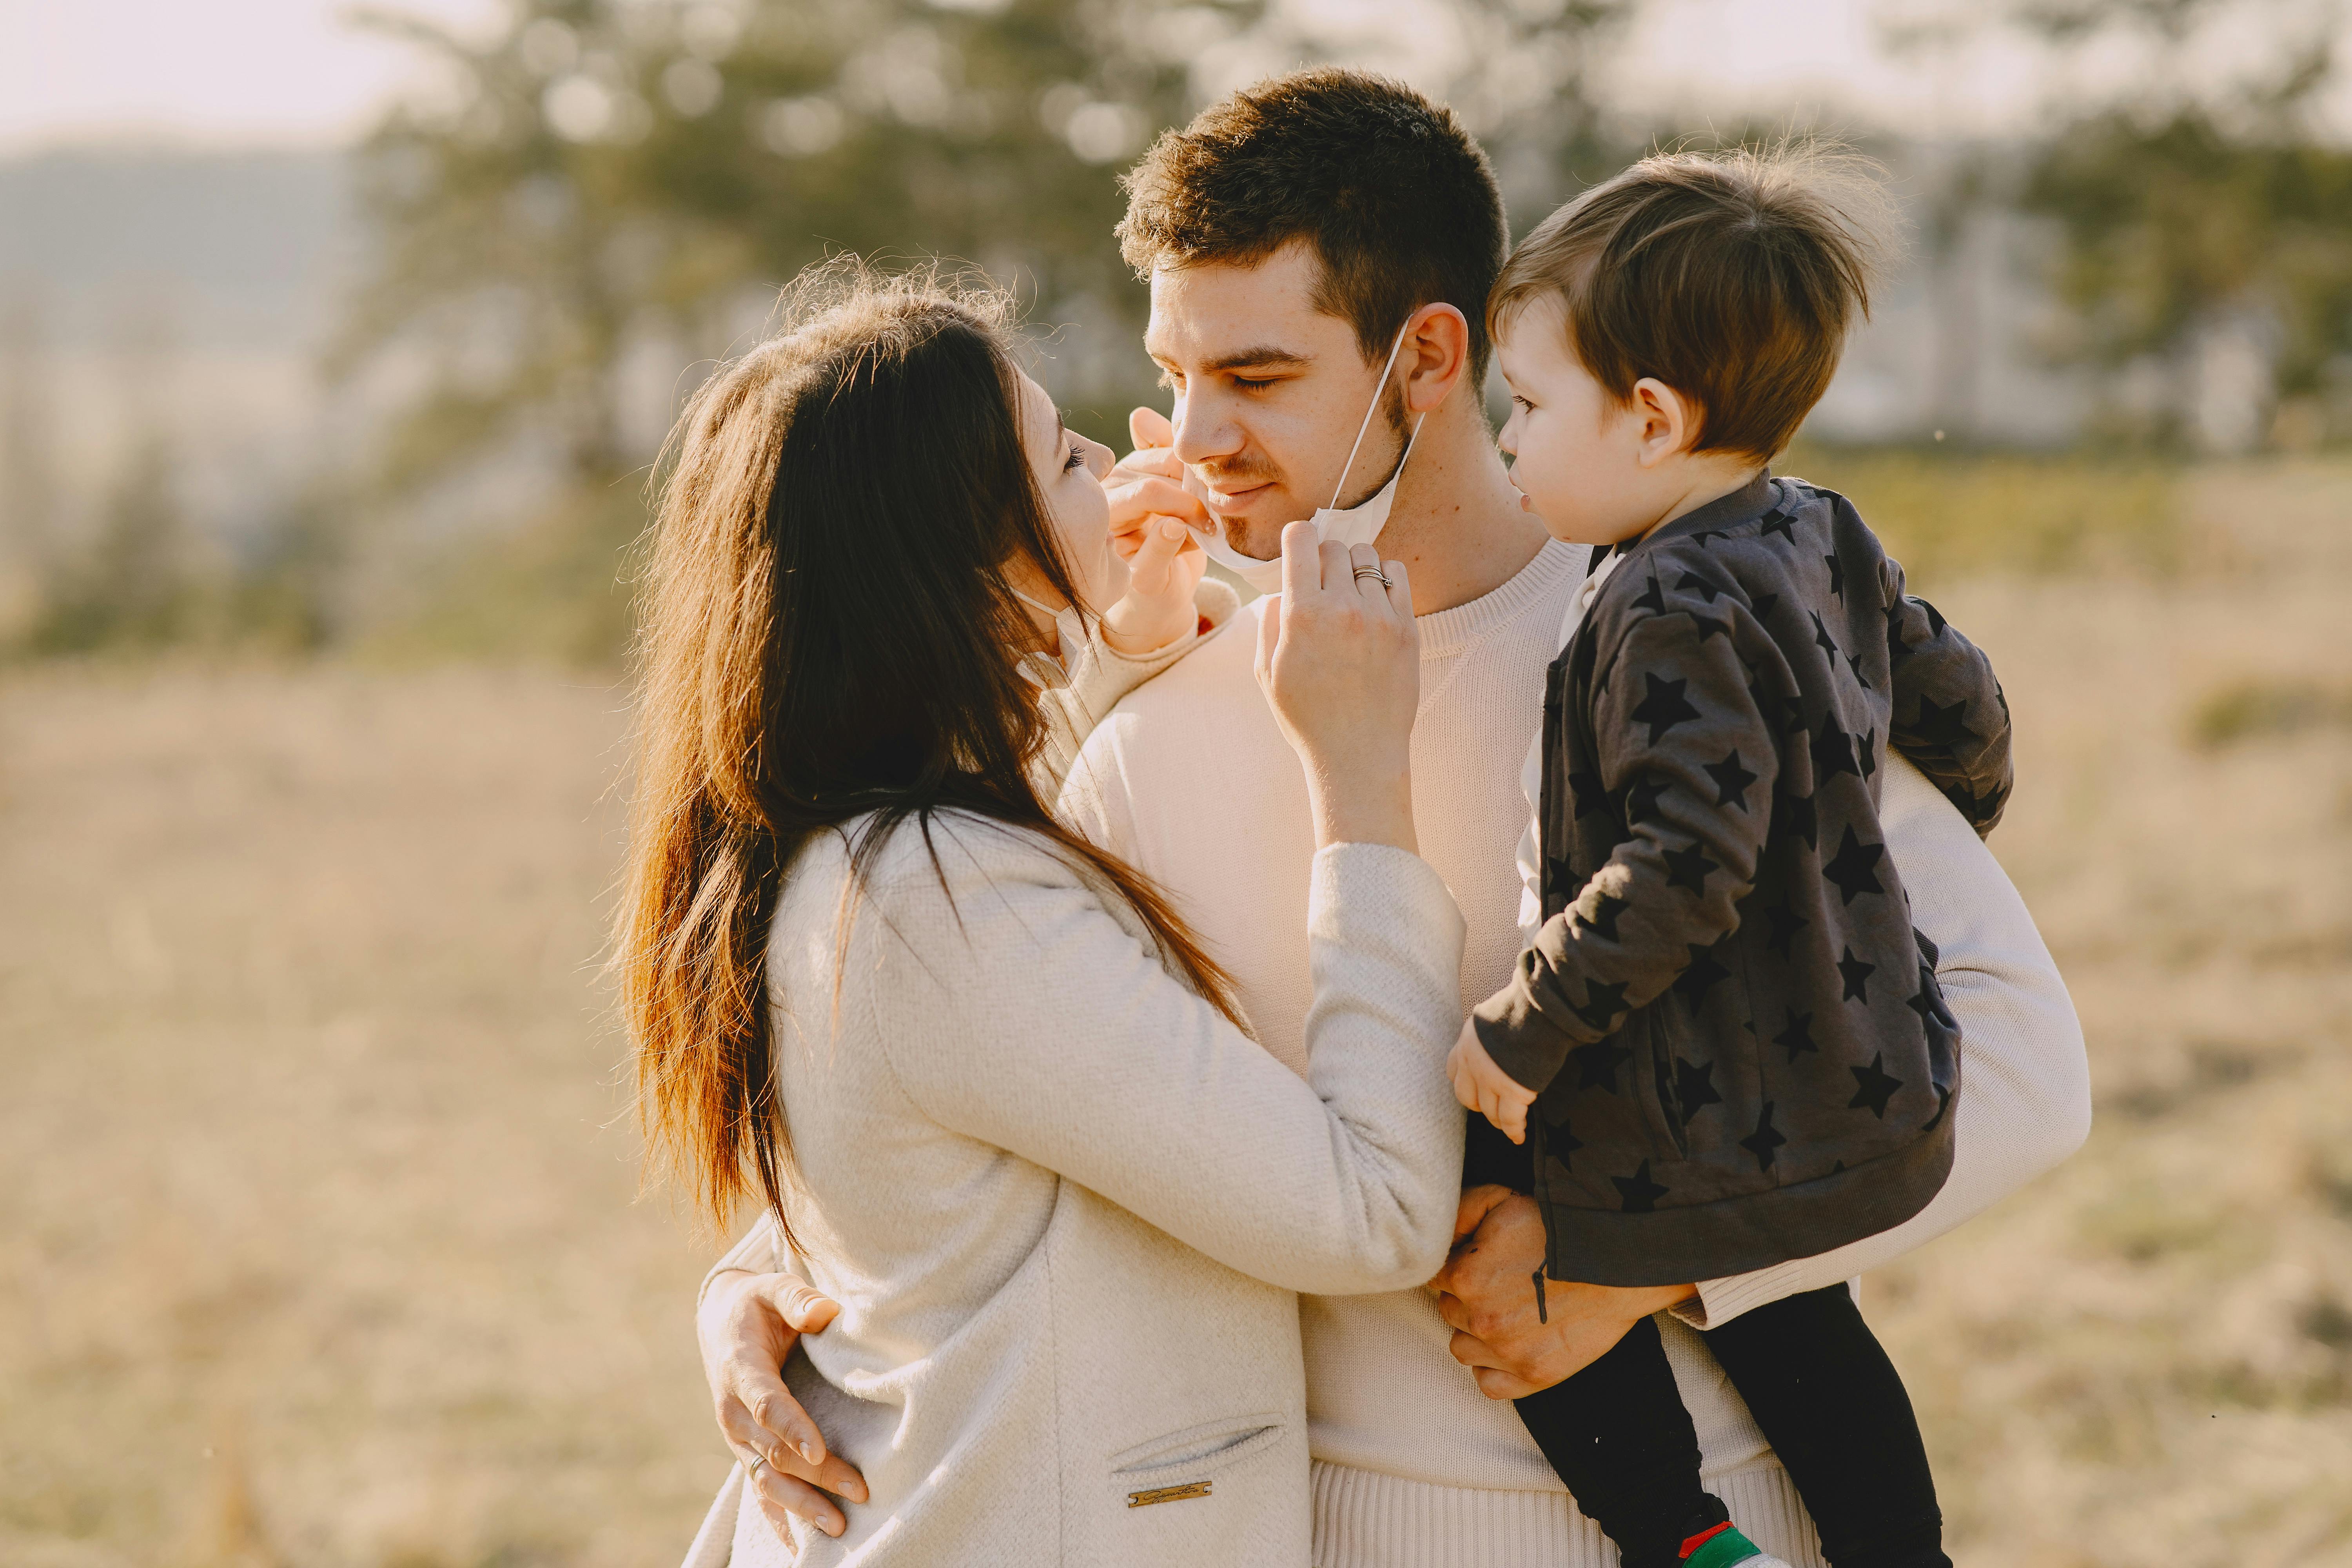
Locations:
1246 384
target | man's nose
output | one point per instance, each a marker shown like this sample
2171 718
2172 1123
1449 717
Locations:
1204 432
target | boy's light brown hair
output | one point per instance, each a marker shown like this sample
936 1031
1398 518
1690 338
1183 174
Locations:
1394 196
1731 277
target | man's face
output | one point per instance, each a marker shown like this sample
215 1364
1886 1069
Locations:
1269 392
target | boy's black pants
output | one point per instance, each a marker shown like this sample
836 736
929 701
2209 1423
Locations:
1813 1375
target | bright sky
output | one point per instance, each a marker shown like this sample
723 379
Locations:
243 72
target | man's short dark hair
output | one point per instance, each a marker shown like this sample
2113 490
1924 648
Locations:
1396 200
1732 277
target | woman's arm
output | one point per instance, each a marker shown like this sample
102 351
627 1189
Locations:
1016 1010
2025 1082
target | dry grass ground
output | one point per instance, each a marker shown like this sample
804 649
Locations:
304 1161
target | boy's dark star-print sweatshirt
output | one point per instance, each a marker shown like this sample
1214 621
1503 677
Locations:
1740 1052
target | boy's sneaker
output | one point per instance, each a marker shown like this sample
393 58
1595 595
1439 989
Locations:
1722 1547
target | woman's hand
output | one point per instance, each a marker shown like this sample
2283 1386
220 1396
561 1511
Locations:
1164 558
747 1325
1340 659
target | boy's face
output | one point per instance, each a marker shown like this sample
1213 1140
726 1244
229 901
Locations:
1269 392
1581 460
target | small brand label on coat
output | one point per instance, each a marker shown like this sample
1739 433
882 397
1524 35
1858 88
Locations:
1168 1494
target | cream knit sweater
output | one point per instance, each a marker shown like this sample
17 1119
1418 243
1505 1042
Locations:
1189 781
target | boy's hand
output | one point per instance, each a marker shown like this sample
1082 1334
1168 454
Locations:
1149 514
1484 1088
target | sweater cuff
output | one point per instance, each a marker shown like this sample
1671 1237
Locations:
1368 895
1720 1300
1521 1040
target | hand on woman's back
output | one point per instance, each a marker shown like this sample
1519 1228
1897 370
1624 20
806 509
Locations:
1340 659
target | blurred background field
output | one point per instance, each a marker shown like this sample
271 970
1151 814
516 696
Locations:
331 363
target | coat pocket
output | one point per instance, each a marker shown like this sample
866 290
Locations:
1179 1466
1664 1024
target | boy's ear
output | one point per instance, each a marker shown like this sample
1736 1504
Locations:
1669 420
1436 357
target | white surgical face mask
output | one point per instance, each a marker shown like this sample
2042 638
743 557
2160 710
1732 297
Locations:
1351 526
1070 634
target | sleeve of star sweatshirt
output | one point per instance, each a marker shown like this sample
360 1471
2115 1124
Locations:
1951 720
1677 732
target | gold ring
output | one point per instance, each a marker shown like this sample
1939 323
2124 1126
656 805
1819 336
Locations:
758 1459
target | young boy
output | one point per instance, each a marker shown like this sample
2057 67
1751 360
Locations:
1728 1030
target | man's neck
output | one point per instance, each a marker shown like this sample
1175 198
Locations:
1457 522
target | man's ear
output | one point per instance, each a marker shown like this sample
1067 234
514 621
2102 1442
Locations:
1436 357
1669 421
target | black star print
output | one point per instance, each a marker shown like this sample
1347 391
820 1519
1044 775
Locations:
1786 923
1692 583
1897 650
1852 868
1708 536
1766 1141
1792 713
1663 706
1640 1192
1853 661
1602 921
1874 1086
1934 618
1560 1143
1731 781
1856 976
1695 1087
1832 752
1642 799
1837 577
1798 1037
1794 818
1587 794
1866 753
1766 604
1690 869
1781 524
2001 697
1704 972
1822 638
1655 601
1943 726
1601 1004
1560 873
1597 1063
1707 628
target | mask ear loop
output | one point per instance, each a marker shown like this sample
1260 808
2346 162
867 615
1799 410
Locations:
1374 408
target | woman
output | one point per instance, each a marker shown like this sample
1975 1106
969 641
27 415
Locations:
991 1085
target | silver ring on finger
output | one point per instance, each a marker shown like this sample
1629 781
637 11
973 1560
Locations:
751 1474
1375 574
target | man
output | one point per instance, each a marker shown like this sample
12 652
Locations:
1317 247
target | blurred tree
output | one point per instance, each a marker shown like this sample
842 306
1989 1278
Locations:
2205 211
605 172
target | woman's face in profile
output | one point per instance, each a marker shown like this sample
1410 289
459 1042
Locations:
1069 470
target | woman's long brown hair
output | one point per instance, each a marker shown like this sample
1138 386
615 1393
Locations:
827 643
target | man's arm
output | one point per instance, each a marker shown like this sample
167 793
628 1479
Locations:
2025 1105
2025 1082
